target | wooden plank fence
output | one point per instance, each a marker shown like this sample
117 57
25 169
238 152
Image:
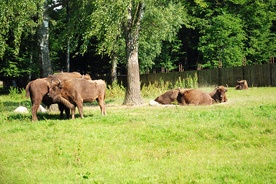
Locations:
256 75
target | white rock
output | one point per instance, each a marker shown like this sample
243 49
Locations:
154 103
21 109
41 109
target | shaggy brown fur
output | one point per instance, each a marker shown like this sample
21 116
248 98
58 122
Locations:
219 94
76 91
193 96
242 84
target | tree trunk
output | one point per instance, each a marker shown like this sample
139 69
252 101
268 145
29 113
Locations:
43 40
68 56
68 41
113 69
133 93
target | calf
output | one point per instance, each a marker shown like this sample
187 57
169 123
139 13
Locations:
242 84
219 94
74 92
193 96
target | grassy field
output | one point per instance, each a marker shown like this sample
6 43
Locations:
233 142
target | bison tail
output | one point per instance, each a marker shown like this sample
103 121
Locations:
28 90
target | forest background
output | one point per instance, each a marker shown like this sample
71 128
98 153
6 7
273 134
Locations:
39 37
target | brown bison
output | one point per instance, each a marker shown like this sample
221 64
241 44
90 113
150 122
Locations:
185 97
168 97
242 84
38 90
74 92
219 94
193 96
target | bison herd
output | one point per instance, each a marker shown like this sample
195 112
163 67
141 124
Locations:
193 96
70 89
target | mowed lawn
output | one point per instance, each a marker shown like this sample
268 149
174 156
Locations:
234 142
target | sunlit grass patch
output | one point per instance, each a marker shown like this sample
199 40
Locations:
232 142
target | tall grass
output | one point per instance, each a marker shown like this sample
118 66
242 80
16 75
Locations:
232 142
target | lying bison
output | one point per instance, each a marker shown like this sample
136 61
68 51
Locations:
74 92
219 94
38 89
168 97
193 96
185 97
242 84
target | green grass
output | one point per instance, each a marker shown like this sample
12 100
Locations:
233 142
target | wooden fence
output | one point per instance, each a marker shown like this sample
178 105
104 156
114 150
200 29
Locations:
256 75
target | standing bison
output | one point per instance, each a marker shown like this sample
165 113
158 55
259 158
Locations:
242 84
38 90
193 96
74 92
219 94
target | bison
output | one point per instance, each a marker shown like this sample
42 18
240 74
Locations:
219 94
242 84
168 97
38 89
74 92
193 96
185 97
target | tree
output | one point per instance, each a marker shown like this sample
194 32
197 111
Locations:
18 23
222 42
248 24
136 23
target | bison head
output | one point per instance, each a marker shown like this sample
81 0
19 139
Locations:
221 93
242 84
55 90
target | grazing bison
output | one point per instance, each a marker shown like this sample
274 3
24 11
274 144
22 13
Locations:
74 92
219 94
242 84
168 97
38 89
193 96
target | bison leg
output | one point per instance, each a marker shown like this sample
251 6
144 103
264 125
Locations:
34 111
102 106
67 112
35 106
80 108
61 108
73 110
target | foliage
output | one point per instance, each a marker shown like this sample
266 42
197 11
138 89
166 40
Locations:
212 33
108 22
222 40
19 20
171 144
228 32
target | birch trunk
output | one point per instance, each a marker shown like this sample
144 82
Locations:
43 39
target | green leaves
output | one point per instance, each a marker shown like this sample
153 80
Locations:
222 40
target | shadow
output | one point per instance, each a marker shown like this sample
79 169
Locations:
11 106
6 107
